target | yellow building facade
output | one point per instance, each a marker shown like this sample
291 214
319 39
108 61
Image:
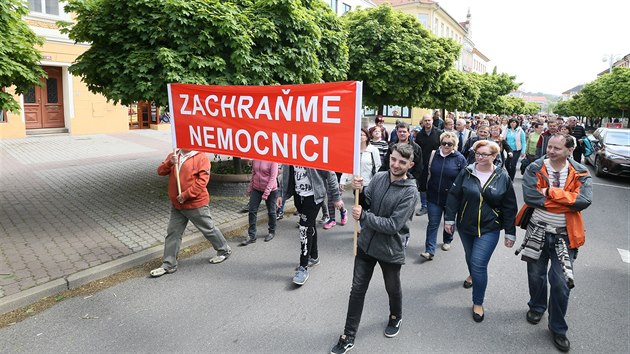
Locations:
63 103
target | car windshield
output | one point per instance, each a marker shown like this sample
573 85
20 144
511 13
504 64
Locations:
618 138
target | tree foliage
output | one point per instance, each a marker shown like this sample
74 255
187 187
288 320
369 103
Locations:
397 59
138 46
607 96
455 91
491 87
19 59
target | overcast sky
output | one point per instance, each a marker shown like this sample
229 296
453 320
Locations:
550 45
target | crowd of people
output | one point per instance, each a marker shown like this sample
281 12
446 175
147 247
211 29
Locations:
457 171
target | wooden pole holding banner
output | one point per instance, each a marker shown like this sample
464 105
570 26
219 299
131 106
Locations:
179 185
356 222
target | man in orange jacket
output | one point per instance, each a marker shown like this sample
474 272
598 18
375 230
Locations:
191 204
558 188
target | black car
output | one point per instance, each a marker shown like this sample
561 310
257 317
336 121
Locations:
611 152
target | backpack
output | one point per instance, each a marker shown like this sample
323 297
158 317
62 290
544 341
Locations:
588 147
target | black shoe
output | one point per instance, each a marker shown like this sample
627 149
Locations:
561 342
393 326
248 241
279 216
421 212
533 317
344 344
477 317
270 237
467 284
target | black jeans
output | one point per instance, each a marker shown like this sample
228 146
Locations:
363 270
307 210
510 164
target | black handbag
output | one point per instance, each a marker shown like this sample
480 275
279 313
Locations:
527 215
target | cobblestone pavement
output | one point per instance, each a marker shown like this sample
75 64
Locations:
69 203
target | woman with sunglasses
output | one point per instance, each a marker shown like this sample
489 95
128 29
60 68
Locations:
481 202
444 165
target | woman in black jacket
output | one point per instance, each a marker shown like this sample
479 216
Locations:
444 166
481 202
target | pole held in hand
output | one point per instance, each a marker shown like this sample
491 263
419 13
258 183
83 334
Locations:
356 222
179 185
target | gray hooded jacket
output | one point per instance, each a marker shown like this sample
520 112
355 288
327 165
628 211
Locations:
386 217
319 179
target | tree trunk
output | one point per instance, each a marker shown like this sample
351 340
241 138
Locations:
238 169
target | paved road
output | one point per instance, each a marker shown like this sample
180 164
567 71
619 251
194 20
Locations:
249 304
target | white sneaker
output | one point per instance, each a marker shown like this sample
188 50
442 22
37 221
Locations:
446 247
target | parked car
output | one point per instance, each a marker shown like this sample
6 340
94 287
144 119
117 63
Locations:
611 152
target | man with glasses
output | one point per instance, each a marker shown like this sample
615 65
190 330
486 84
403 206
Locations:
558 188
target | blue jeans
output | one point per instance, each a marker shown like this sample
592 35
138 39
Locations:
435 212
254 202
423 200
478 252
559 295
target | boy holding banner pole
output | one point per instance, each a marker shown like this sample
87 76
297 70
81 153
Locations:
385 217
188 172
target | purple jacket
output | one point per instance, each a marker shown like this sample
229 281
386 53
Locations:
264 177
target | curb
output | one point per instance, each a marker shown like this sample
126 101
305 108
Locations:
75 280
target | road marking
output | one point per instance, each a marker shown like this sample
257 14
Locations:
610 185
625 255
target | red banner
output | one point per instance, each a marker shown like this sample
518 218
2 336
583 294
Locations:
311 125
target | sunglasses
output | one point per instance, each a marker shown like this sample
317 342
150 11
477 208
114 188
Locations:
446 143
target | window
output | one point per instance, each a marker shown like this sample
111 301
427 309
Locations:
334 4
346 7
424 20
396 111
435 26
442 30
48 7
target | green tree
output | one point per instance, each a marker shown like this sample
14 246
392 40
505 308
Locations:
609 95
19 59
491 87
397 59
455 91
530 108
138 46
562 108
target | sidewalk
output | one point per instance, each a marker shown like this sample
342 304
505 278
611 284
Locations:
78 208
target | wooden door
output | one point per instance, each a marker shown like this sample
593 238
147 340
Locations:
43 105
33 108
52 100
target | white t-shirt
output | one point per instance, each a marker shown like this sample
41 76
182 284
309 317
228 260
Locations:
370 155
483 176
303 185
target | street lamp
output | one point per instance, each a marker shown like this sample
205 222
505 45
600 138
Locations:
611 58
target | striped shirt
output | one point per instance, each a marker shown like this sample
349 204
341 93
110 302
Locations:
556 179
382 147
